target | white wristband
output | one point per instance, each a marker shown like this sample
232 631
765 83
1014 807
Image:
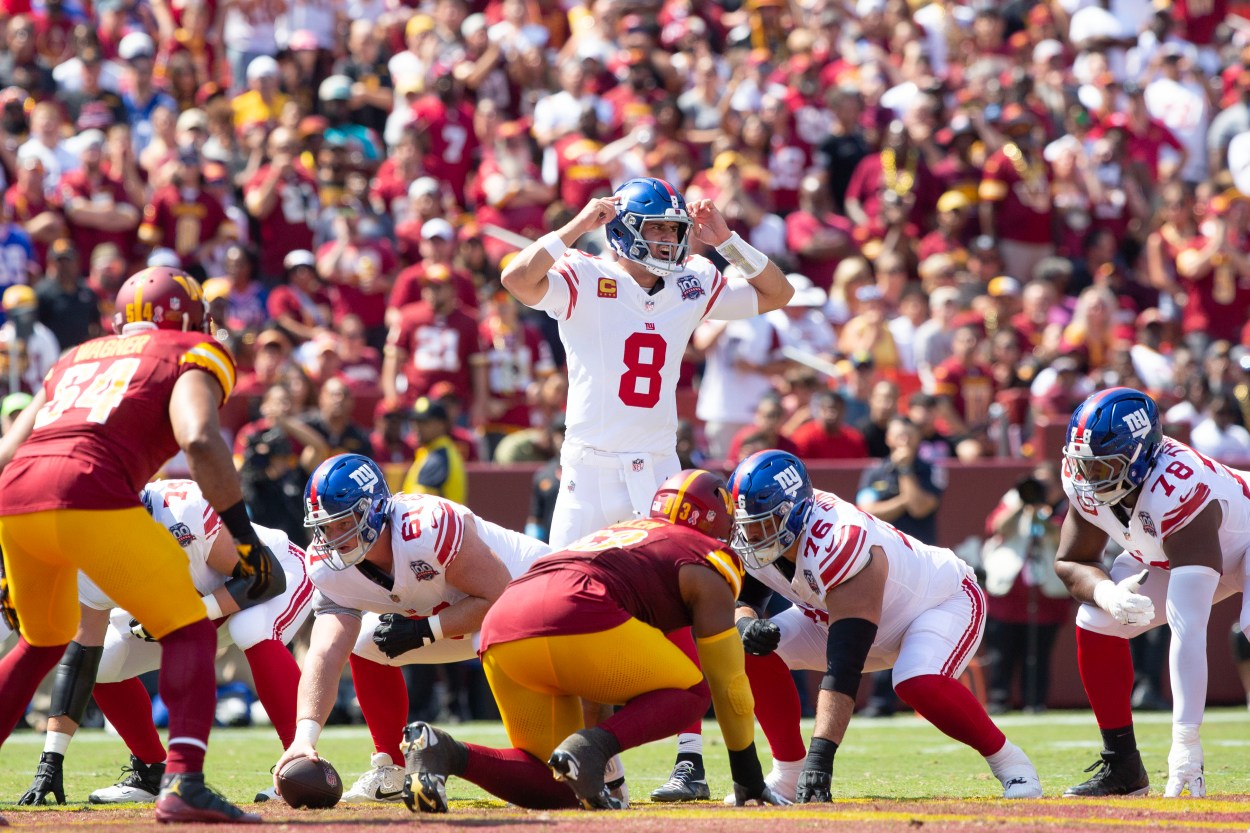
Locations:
747 259
1101 589
554 244
211 607
308 730
436 627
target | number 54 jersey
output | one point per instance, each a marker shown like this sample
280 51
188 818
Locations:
625 345
426 534
1181 483
105 428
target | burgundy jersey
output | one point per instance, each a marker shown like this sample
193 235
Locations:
289 224
440 348
105 428
627 570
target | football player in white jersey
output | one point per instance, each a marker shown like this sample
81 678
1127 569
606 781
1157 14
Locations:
1183 522
866 597
625 323
399 579
111 648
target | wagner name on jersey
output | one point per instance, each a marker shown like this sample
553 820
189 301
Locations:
625 345
1181 484
836 546
426 533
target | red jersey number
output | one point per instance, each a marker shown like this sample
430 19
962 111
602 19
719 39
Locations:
80 387
644 361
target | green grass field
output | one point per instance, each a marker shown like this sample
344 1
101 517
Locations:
896 758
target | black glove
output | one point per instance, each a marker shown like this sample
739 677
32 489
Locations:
814 786
396 634
136 627
760 637
256 564
744 797
48 779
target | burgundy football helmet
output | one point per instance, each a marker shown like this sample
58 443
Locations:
169 298
697 499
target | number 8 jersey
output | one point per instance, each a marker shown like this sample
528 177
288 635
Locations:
105 428
1181 483
625 346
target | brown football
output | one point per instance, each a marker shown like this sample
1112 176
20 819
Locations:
305 782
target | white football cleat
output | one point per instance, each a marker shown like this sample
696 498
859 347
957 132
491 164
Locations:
140 784
782 779
1016 772
383 783
268 794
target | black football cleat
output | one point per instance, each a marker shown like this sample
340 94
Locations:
1116 775
686 783
580 761
185 798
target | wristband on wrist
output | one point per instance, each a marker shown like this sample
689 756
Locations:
308 730
820 754
240 525
554 244
436 627
211 607
748 260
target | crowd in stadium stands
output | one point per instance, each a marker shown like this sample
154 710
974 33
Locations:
989 209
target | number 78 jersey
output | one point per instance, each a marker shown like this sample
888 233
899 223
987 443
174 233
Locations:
1181 483
625 346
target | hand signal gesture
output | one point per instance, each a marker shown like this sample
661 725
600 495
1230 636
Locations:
597 213
707 223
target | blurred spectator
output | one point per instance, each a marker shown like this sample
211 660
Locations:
184 217
67 305
1015 198
390 441
26 204
96 204
964 385
764 431
513 358
22 325
282 197
825 437
739 361
334 420
882 407
438 468
1219 435
299 305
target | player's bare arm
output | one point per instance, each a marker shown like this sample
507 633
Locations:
333 636
21 429
477 571
1078 561
526 276
708 226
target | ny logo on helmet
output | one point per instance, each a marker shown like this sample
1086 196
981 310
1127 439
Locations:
365 478
1138 423
789 481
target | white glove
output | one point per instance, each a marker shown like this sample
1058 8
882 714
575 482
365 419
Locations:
1123 601
1185 763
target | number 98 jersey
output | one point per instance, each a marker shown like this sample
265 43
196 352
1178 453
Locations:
625 345
1181 483
105 428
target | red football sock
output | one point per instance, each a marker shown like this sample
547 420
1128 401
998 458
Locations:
777 706
188 685
517 777
383 699
276 675
952 708
1106 666
684 639
657 714
128 707
21 672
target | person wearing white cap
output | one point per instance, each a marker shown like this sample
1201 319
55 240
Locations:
436 247
141 97
299 304
263 101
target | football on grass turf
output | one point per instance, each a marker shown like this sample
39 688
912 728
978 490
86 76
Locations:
307 783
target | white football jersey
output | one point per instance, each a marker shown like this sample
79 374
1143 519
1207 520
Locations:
1181 483
835 547
180 507
426 532
625 346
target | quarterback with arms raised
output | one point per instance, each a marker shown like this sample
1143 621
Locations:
400 579
865 597
111 412
625 324
1183 522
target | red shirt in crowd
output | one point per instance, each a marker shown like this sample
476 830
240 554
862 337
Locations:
581 177
407 287
438 349
814 442
172 222
76 185
1022 195
289 224
969 387
451 144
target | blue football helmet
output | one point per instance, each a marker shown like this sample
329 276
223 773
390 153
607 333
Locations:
346 486
1113 439
772 497
644 200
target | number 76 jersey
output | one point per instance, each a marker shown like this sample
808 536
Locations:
1181 483
625 346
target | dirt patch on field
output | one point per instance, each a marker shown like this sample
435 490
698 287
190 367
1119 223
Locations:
1227 814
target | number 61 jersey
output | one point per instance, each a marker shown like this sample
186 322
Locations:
625 345
1181 483
105 428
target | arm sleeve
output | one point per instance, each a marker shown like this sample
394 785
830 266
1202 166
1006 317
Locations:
733 299
724 665
1191 590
